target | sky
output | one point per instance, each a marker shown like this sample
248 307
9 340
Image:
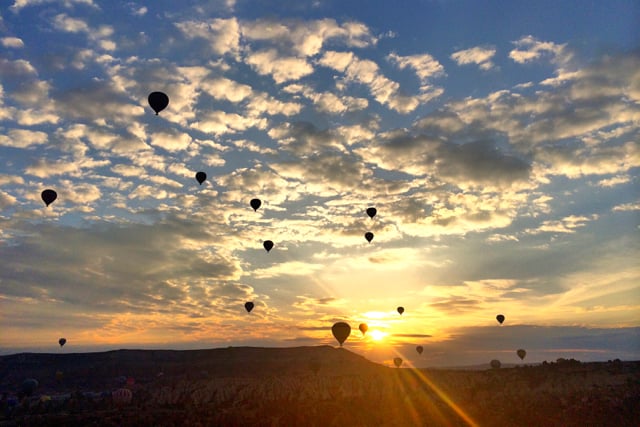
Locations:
498 141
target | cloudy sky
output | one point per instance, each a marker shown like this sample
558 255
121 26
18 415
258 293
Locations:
499 144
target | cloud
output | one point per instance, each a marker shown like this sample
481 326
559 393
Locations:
281 68
227 89
45 168
98 99
19 67
614 181
63 22
425 66
384 90
478 55
306 38
6 200
529 48
220 122
99 35
21 4
627 207
589 114
264 104
477 163
171 140
12 42
329 102
566 225
137 10
411 335
23 138
148 279
222 35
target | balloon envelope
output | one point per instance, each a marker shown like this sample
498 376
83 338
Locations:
158 101
500 318
341 331
495 364
363 328
397 361
372 212
401 310
521 353
48 196
29 386
268 245
62 341
201 177
255 204
248 306
369 236
419 349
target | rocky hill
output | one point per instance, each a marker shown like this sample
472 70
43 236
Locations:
320 386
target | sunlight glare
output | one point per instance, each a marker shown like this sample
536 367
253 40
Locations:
377 335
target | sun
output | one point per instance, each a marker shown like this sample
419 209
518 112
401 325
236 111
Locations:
377 335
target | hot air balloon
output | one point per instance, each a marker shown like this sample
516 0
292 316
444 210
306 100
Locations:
495 364
397 361
158 101
29 386
369 236
62 341
48 196
521 353
268 245
363 328
201 177
419 349
500 318
248 306
341 331
255 204
372 212
121 396
400 310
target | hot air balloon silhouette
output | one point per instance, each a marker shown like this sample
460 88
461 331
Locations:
201 177
363 328
371 212
400 310
521 353
341 331
419 349
500 318
255 204
268 245
248 306
62 341
397 361
369 236
495 364
29 386
48 196
158 101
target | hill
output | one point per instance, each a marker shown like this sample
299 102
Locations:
307 386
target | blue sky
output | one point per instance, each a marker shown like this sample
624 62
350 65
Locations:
499 144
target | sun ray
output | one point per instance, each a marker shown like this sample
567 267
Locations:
422 377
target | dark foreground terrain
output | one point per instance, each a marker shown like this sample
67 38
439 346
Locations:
305 386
